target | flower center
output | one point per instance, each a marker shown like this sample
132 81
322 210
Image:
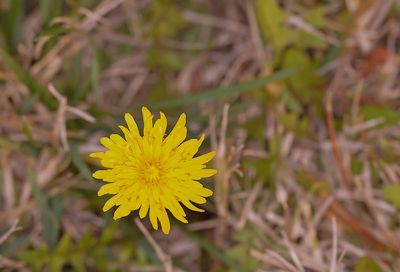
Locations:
153 173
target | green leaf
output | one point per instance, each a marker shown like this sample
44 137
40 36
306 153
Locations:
221 92
271 18
310 184
78 262
390 116
367 264
293 122
356 166
305 82
164 59
36 258
56 263
267 168
214 251
316 17
307 40
166 20
245 242
292 102
391 193
64 245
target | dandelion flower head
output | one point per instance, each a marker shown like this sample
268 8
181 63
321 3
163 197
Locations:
153 173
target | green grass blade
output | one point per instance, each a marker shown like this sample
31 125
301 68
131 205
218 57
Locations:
10 22
50 9
33 86
78 162
221 92
50 219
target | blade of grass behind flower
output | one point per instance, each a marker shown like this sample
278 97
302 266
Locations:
220 92
10 23
33 86
78 162
50 214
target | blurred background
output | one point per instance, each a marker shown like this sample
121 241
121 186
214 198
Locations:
298 98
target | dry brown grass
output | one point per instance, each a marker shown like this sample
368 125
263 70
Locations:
321 205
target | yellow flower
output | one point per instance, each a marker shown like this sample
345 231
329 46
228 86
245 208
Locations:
153 173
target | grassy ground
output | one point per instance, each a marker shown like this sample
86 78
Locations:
298 98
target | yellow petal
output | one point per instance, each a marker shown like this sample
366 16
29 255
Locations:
205 192
181 120
97 155
163 122
175 138
203 173
164 220
109 163
147 121
157 135
201 139
175 212
106 142
188 149
173 205
144 208
121 211
195 198
153 217
110 203
118 140
191 206
134 204
133 128
100 174
110 188
128 136
204 158
160 126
